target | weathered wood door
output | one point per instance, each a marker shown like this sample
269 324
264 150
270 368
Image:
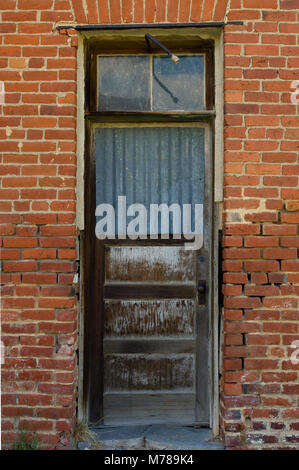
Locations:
153 302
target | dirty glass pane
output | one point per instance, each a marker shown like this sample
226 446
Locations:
179 86
150 165
124 83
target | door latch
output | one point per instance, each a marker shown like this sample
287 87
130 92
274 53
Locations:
201 290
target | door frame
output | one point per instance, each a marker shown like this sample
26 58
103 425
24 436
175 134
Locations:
83 194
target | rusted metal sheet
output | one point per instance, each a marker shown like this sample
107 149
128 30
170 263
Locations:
148 318
152 372
150 264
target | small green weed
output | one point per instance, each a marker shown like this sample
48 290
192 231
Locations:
25 442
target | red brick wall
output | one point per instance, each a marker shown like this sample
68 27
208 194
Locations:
259 386
38 231
260 246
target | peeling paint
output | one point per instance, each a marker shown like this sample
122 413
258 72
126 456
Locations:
150 318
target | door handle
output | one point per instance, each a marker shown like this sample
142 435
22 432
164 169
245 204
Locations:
201 290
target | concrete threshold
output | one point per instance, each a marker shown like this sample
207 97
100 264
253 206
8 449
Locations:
155 437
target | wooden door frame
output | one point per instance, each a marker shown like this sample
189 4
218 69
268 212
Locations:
86 392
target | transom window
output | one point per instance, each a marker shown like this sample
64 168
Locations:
127 77
151 83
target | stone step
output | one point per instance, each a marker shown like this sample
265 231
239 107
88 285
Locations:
156 437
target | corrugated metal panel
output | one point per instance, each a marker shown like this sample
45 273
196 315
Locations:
150 165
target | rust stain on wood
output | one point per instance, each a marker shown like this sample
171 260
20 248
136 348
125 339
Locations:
152 264
150 372
149 318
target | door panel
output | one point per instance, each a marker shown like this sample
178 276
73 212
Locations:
148 264
157 408
150 318
149 372
160 383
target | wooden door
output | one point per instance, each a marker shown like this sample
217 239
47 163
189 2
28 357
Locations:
153 307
